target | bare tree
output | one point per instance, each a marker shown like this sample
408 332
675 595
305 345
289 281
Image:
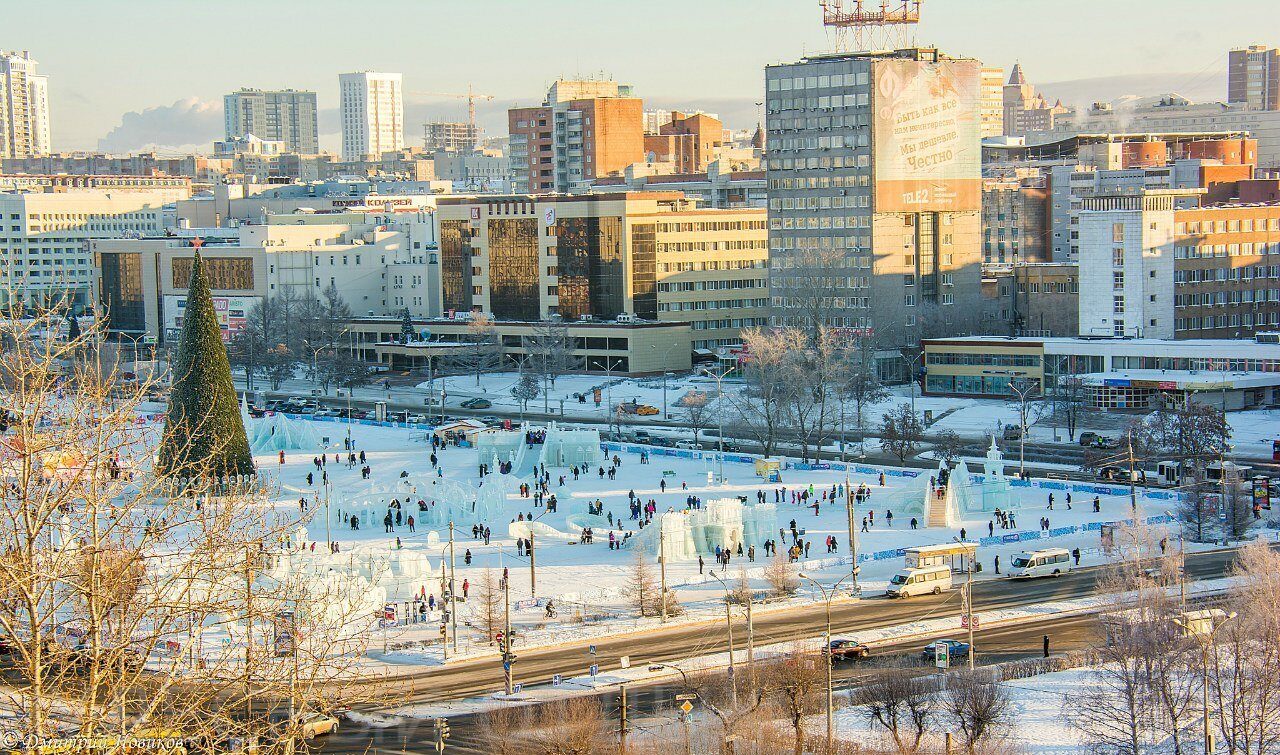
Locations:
551 352
797 682
762 406
574 726
484 351
862 384
900 702
781 576
526 389
105 566
697 411
978 705
642 586
1244 661
948 446
1143 690
488 610
1190 432
900 432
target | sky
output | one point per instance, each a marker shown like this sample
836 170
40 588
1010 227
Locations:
126 73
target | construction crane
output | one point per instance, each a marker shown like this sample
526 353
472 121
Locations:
874 25
470 97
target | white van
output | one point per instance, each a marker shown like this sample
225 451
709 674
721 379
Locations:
919 581
1051 562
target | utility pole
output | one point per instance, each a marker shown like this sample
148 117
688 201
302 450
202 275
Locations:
853 536
751 640
622 718
248 634
507 658
662 569
533 568
733 677
968 606
453 590
1133 491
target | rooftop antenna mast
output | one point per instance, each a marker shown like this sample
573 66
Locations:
886 24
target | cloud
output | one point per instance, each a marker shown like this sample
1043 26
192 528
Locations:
189 122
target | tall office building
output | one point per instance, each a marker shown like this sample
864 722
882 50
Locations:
372 114
992 102
287 116
451 136
583 130
874 193
24 107
1253 77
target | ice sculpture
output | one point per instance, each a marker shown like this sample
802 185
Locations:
443 500
996 489
505 445
563 448
277 432
961 482
724 522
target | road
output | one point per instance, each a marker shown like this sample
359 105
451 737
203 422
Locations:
538 665
651 705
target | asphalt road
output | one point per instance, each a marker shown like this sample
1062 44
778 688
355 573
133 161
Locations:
654 704
537 666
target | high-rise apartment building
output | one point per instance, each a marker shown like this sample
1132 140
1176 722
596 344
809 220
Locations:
372 108
286 115
874 194
24 107
583 130
992 102
1253 77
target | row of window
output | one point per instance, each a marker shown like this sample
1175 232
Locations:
1203 251
1245 320
837 202
821 182
856 281
715 225
713 246
778 125
684 267
793 83
1242 225
1226 298
982 360
736 322
1050 287
725 285
700 306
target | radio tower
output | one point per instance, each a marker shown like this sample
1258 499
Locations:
886 24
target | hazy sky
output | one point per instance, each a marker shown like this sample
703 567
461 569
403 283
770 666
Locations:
155 70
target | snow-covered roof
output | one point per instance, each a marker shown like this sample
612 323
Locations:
1205 348
1194 380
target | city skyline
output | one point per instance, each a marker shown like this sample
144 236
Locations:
163 104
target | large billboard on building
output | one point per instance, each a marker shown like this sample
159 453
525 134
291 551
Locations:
927 136
232 312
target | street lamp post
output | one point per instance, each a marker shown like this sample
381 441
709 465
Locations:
719 378
1206 640
827 596
728 619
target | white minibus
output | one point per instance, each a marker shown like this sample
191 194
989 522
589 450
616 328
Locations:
919 581
1051 562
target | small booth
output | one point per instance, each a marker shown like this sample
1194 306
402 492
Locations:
461 432
769 468
956 555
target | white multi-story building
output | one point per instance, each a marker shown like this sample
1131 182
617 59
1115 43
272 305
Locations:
372 114
287 116
1127 263
44 238
24 107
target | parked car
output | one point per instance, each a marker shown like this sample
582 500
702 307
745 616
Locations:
1012 432
1104 442
955 649
688 445
1088 438
642 436
489 419
848 650
477 403
416 419
645 410
326 413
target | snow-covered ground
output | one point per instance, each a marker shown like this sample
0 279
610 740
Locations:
588 582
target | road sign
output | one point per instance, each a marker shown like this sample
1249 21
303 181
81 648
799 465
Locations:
686 706
964 622
591 649
624 661
681 698
941 655
556 680
515 688
594 669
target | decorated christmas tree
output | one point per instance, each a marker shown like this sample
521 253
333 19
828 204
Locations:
204 435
